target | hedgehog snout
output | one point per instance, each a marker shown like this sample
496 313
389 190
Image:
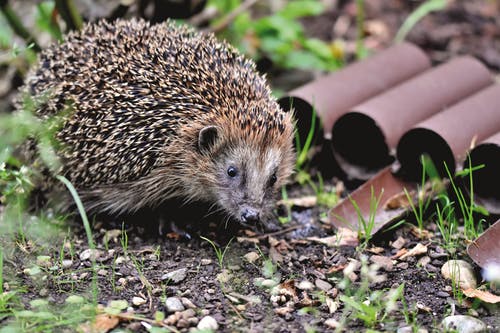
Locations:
249 215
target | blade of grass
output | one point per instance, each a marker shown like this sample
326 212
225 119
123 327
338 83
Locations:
17 25
419 13
88 231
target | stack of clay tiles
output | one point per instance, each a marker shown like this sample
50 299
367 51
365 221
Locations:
381 114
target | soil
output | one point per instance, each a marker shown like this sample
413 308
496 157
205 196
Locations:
309 274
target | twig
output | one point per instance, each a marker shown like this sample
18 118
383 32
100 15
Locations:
70 14
17 26
205 15
245 5
279 232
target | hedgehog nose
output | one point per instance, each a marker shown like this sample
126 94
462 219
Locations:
249 215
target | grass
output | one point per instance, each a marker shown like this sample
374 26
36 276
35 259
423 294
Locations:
372 307
366 226
303 149
219 252
423 10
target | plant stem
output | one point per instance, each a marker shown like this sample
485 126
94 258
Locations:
70 14
360 33
17 26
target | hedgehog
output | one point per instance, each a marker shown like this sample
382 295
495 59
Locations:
161 112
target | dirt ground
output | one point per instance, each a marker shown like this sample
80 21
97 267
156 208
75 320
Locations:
287 279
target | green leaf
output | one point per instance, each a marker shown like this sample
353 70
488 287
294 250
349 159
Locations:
118 304
303 60
75 299
45 21
36 303
301 8
319 48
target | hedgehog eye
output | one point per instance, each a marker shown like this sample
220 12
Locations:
232 171
273 180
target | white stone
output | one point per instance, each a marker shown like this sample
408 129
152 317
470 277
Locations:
463 324
174 304
208 323
461 272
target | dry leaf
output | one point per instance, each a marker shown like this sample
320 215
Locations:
417 250
274 255
400 253
421 233
484 296
283 310
104 323
376 250
247 240
398 200
343 237
336 268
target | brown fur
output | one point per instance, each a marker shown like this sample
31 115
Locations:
140 95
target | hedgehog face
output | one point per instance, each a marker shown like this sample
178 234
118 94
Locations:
248 179
247 174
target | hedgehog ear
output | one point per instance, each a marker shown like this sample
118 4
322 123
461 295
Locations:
207 137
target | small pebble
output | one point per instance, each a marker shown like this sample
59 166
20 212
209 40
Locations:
409 329
323 285
463 324
305 285
208 323
403 265
175 276
120 260
205 262
461 272
332 323
189 313
183 323
383 261
67 263
252 257
442 294
269 283
174 304
187 303
424 261
90 254
138 301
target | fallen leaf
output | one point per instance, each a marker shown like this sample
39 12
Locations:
343 237
288 288
483 295
398 200
283 310
103 323
421 233
274 255
336 268
399 253
399 243
376 250
417 250
247 240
